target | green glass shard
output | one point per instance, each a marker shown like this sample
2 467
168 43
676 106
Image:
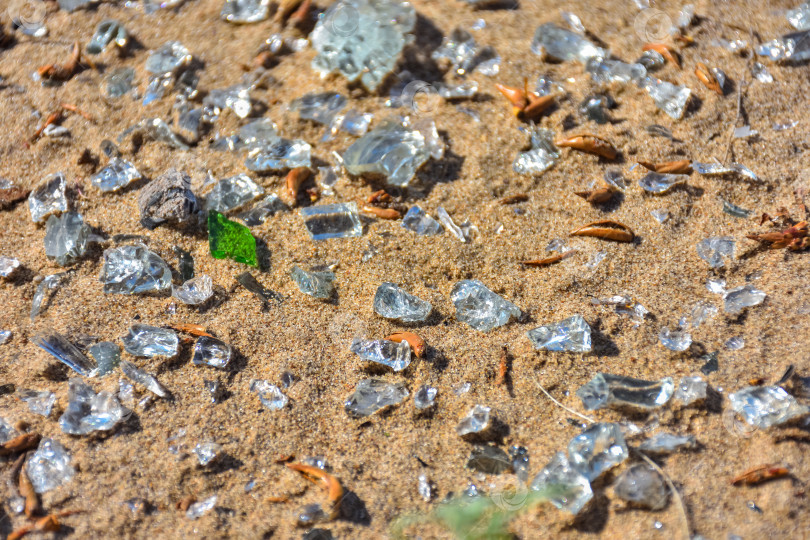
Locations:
230 239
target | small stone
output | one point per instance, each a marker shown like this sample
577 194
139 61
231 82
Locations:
88 412
597 449
766 406
606 390
658 183
391 150
107 32
542 155
211 352
793 47
315 284
263 209
147 341
207 452
49 467
714 250
568 489
481 308
199 509
66 238
369 55
397 356
134 270
667 443
425 397
8 266
39 402
48 198
463 232
571 335
117 174
462 55
642 485
739 298
195 291
416 220
245 11
690 390
332 221
477 420
372 395
392 302
668 97
143 378
269 394
171 57
229 239
167 198
675 340
489 460
563 45
63 350
107 354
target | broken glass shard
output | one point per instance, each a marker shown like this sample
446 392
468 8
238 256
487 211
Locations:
735 343
167 198
668 97
229 239
245 11
563 45
155 129
416 220
616 390
279 154
372 395
49 467
48 198
7 431
742 170
481 308
397 356
39 402
598 448
212 352
716 286
254 134
66 238
477 420
702 312
5 336
133 373
169 58
391 150
269 394
48 283
572 335
392 302
651 60
711 364
690 390
63 350
150 341
799 16
739 298
595 107
87 411
117 174
462 55
463 90
8 265
541 156
107 354
667 443
352 122
195 291
714 250
604 70
332 221
569 489
263 209
362 39
107 32
425 397
658 183
235 98
232 192
642 485
520 462
214 390
761 73
320 108
736 211
675 340
710 169
134 270
794 47
660 215
207 452
199 509
463 232
489 460
424 488
315 284
766 406
435 144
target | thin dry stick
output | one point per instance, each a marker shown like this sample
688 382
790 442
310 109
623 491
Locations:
736 117
572 411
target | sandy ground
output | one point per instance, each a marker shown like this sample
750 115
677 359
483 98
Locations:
380 458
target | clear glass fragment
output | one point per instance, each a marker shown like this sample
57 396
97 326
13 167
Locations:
605 390
481 308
